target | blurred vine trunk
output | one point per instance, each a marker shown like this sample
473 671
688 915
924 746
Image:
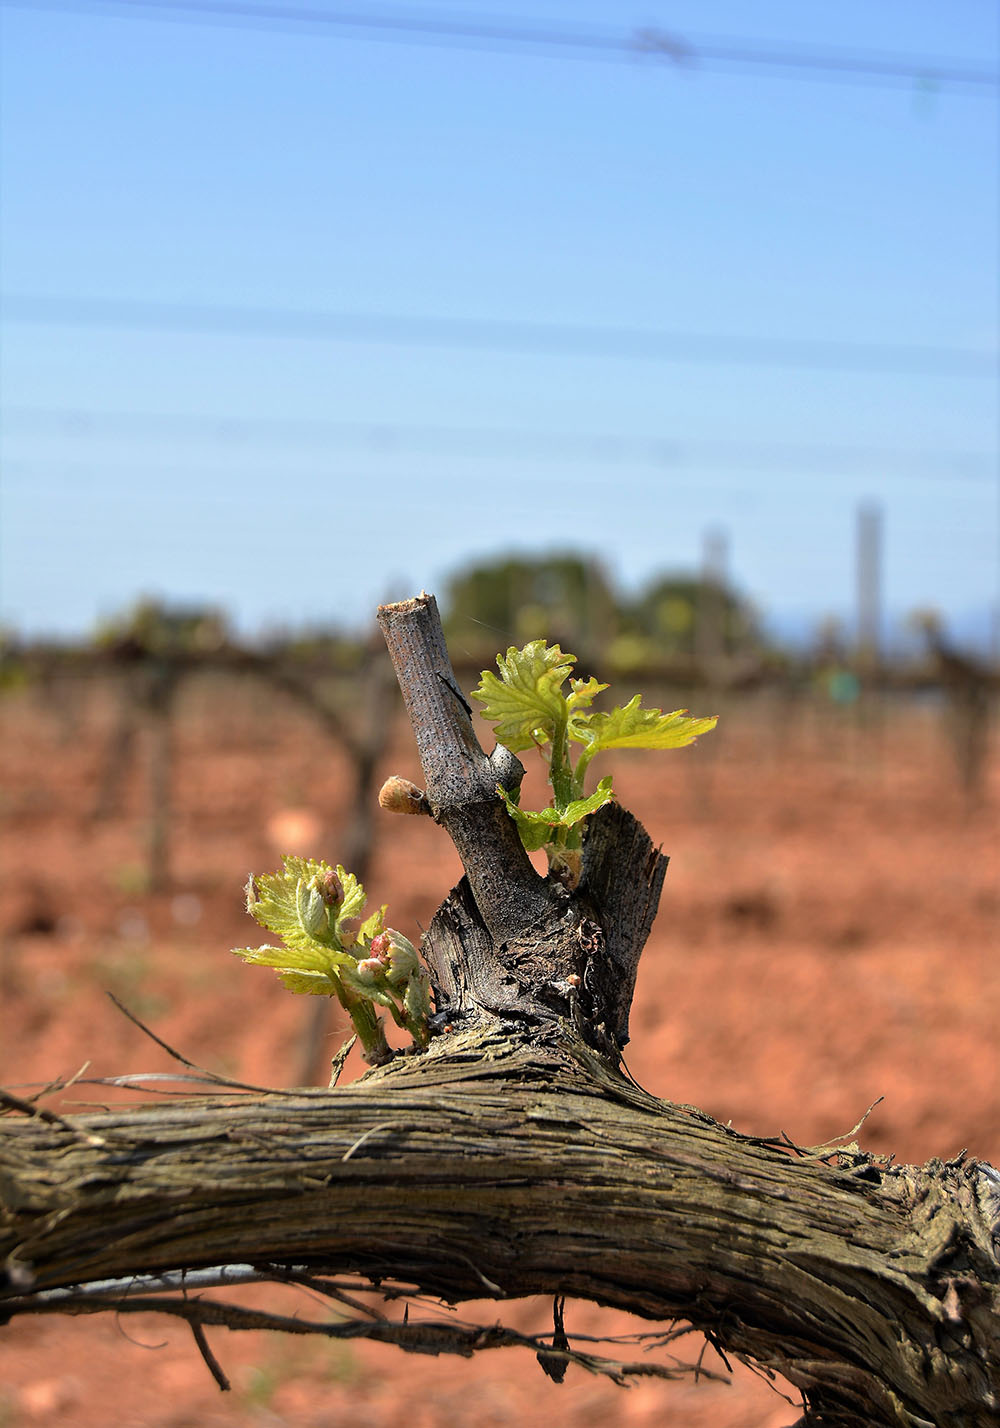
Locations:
146 698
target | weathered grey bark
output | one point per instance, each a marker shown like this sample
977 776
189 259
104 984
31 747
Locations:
488 1167
461 780
507 940
513 1158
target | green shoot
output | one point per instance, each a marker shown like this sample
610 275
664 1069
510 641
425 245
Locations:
530 709
330 951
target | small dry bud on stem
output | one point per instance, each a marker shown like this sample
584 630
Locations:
399 795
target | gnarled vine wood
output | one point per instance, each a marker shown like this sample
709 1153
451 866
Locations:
513 1157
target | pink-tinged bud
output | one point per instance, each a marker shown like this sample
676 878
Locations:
369 969
380 946
347 930
329 887
399 795
574 979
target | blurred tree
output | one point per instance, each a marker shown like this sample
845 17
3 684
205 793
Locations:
663 623
151 627
562 598
151 644
969 688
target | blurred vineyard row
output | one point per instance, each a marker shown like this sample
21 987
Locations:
691 629
682 642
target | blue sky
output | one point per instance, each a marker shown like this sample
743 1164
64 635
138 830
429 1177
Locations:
487 234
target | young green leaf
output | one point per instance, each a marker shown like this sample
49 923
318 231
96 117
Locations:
529 707
632 727
584 692
373 990
316 960
313 984
417 1008
526 703
581 808
330 951
537 829
290 904
354 895
372 926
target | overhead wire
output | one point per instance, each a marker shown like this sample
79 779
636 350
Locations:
513 335
519 36
387 438
460 30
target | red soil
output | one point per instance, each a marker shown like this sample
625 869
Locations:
828 935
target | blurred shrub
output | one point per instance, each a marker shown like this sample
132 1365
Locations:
568 599
565 599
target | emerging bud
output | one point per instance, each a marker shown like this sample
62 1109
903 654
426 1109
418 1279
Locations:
399 795
417 1002
369 969
404 963
329 887
311 908
565 866
380 946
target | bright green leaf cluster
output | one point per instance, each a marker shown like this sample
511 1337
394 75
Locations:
529 707
527 702
329 950
537 829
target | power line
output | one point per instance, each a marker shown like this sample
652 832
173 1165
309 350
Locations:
467 32
380 437
497 335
